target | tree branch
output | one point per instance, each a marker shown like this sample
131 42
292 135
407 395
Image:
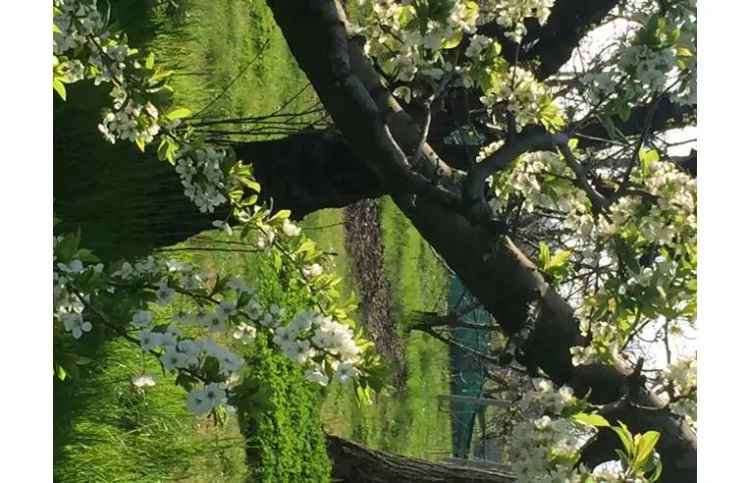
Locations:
552 44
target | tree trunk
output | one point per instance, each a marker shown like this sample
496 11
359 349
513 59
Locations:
308 172
493 269
103 198
354 463
130 203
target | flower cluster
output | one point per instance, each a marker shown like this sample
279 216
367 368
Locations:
202 175
74 23
310 337
511 14
663 223
545 445
85 50
410 41
203 400
407 39
133 122
540 180
642 251
682 376
660 56
69 306
529 101
327 349
314 341
680 381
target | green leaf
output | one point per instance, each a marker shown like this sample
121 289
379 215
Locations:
59 87
168 147
647 156
150 58
623 111
141 144
211 367
658 467
645 446
250 183
595 420
86 255
624 459
305 246
68 246
453 41
277 261
674 36
179 113
405 14
544 254
60 372
560 258
472 9
280 216
186 381
626 437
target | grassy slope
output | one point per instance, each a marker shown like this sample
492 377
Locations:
106 431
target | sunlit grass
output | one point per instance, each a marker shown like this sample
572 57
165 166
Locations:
105 430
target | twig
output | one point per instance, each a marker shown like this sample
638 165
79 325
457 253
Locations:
232 82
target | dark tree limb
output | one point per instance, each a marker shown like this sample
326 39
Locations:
354 463
308 172
552 44
132 203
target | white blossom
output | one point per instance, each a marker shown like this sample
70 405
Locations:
144 380
142 318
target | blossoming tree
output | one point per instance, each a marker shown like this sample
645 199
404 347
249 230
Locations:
534 156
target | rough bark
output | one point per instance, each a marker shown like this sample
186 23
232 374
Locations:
502 278
131 203
307 172
354 463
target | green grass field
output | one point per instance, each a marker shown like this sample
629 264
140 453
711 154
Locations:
107 431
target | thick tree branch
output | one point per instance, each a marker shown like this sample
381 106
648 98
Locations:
130 212
496 272
552 44
308 172
354 463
